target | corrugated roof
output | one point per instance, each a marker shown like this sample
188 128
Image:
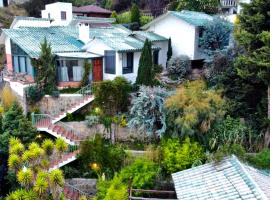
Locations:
31 18
91 9
228 179
191 17
29 39
153 37
77 19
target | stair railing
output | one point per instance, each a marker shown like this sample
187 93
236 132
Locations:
87 90
45 120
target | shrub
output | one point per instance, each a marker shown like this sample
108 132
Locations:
179 66
178 155
145 19
158 69
261 160
34 94
142 173
124 18
87 69
7 97
92 120
227 150
117 190
231 131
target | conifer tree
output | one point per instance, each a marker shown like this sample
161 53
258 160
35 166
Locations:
45 69
145 72
169 52
254 35
135 14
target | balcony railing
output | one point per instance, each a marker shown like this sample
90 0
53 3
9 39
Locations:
228 3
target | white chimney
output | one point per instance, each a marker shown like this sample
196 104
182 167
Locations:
84 32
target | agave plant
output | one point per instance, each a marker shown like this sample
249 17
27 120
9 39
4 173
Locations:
14 162
56 183
61 146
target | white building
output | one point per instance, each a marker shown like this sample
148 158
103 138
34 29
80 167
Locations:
112 49
184 28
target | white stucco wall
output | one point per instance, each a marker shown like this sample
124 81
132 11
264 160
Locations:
162 57
181 33
30 23
55 9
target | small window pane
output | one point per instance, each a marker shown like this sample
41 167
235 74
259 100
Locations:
16 64
63 15
110 62
22 61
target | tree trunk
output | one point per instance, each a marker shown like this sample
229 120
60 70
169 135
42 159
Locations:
267 134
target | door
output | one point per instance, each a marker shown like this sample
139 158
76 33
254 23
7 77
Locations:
97 69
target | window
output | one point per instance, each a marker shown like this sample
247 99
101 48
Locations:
49 16
69 70
110 62
155 57
127 61
63 15
201 30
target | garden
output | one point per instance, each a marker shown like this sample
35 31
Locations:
165 122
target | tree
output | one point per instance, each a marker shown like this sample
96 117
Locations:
156 6
35 178
169 52
112 96
253 34
193 108
216 35
135 14
87 69
146 72
34 7
147 111
207 6
45 69
15 124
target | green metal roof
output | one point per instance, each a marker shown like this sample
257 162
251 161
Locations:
228 179
153 37
30 38
192 17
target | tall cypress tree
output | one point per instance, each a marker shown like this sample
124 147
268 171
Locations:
135 14
169 52
146 72
253 33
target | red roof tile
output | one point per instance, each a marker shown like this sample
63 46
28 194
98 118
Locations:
91 9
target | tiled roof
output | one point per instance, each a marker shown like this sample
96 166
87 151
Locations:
228 179
29 38
90 9
153 37
191 17
118 38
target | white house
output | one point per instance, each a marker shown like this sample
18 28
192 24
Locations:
112 49
184 28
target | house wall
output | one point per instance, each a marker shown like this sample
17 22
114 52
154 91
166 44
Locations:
54 10
30 23
182 34
162 59
8 54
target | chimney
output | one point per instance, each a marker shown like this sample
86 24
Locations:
84 32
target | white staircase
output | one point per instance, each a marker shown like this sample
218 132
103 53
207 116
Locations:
53 125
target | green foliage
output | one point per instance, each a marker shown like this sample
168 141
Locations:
117 190
145 72
25 177
145 20
15 124
208 6
112 96
147 111
102 188
87 69
135 14
92 120
227 150
261 160
193 108
108 157
115 16
45 69
48 146
60 145
142 173
178 155
22 194
179 66
169 52
231 131
216 35
253 34
34 94
124 18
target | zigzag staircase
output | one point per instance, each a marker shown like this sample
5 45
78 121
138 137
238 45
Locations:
53 125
